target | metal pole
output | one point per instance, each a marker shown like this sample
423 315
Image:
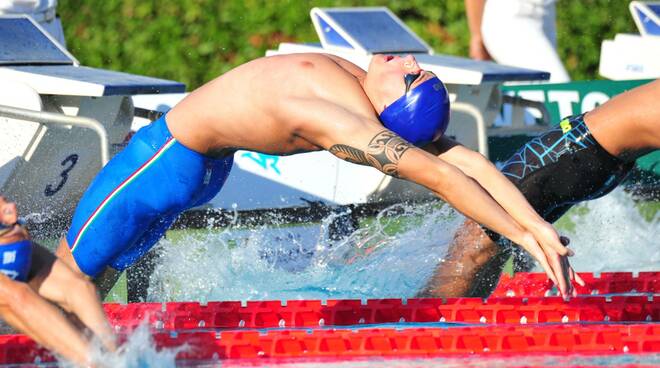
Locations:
50 118
540 106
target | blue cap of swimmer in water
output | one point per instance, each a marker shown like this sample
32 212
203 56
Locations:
421 115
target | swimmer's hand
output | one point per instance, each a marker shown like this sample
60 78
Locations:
569 275
10 230
546 247
8 212
8 216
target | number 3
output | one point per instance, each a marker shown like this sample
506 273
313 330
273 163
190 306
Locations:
71 160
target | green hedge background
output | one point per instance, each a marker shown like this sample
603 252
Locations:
193 41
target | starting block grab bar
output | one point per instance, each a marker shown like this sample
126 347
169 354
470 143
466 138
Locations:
50 118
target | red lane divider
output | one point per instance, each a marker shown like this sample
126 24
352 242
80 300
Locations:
314 313
537 284
20 349
344 343
610 339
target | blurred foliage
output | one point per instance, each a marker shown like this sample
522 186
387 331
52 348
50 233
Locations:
193 41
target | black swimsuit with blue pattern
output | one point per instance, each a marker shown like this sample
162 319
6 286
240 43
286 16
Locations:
564 166
554 171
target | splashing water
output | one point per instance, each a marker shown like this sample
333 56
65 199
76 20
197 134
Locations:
139 351
614 236
299 262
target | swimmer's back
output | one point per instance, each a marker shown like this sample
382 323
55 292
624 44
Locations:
254 106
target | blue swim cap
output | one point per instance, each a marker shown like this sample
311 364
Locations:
421 115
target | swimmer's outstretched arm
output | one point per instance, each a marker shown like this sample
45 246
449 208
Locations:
511 199
363 140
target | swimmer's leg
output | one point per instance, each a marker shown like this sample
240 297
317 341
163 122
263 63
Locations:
54 280
152 178
628 125
23 309
472 266
133 200
109 276
131 256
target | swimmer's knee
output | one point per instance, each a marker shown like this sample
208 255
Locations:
78 287
83 265
16 294
22 294
81 285
654 136
106 280
63 252
486 254
6 290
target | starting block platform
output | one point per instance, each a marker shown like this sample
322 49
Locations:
30 55
634 56
60 122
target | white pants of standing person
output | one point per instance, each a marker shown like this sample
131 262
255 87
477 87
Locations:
523 33
42 11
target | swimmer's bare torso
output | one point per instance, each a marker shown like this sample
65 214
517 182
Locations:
273 105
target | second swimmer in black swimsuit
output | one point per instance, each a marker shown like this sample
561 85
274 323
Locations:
583 158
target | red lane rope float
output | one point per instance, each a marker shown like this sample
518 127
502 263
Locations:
537 284
314 313
344 343
20 349
418 342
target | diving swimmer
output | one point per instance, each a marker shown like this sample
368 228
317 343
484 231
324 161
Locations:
34 285
583 158
284 105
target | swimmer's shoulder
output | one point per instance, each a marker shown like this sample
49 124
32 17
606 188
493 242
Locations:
316 62
342 64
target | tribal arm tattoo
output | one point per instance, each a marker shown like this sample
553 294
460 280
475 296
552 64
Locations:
383 152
